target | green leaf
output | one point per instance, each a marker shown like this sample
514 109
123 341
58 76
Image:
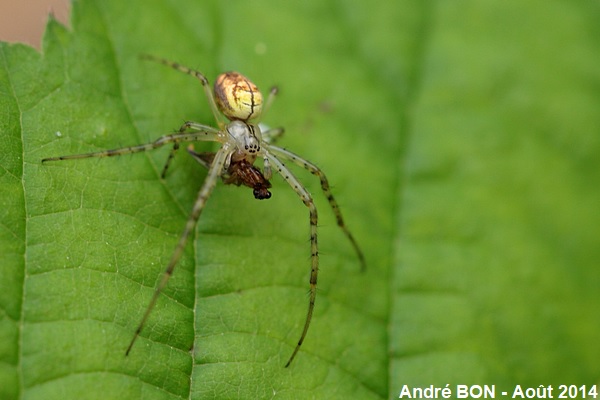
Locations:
461 140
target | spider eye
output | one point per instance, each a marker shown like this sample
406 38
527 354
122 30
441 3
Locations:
237 97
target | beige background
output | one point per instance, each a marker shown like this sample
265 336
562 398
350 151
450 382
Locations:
25 20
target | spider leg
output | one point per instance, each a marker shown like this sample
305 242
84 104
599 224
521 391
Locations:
206 134
197 74
272 93
203 195
313 169
189 127
314 248
270 136
170 157
267 171
204 159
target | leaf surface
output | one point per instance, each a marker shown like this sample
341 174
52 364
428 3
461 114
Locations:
461 141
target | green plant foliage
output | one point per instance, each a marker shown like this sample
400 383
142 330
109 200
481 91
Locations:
462 142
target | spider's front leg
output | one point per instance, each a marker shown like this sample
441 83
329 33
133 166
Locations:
313 169
314 247
314 272
207 187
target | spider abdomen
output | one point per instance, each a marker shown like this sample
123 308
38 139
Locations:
237 97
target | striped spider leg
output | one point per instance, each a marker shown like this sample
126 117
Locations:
275 155
237 99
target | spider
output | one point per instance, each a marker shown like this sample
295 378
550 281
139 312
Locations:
242 142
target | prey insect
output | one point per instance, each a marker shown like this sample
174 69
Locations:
239 173
237 106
